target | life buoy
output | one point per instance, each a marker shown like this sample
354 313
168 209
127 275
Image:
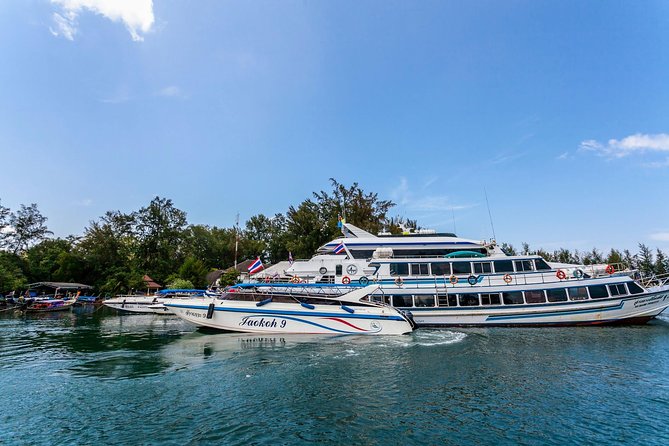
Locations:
610 269
578 273
561 274
322 270
507 278
345 280
399 281
453 279
295 280
266 279
363 280
471 280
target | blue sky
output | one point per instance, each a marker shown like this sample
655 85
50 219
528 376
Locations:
559 110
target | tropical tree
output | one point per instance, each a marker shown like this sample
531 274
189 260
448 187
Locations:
11 272
160 232
194 271
645 261
28 226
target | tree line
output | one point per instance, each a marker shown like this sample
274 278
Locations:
116 250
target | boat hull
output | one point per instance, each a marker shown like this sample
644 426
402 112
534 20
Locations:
246 317
140 304
47 307
629 310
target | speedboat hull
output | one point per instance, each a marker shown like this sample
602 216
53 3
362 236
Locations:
275 317
138 304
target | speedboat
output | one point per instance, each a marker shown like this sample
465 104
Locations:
152 303
257 312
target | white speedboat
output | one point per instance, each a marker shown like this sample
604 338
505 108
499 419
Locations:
153 303
256 312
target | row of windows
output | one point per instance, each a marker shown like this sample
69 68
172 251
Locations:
448 268
398 252
511 297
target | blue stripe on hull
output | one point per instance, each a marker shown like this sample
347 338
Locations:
289 312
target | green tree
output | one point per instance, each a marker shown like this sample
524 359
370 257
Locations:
267 237
28 227
615 257
645 262
160 231
11 272
50 260
214 246
508 249
194 271
107 252
661 263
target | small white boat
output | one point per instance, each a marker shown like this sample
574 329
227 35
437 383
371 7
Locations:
255 312
153 303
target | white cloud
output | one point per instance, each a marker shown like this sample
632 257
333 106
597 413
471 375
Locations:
171 91
563 156
637 143
66 25
660 236
137 15
657 164
403 196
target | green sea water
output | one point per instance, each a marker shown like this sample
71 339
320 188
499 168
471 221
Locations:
95 377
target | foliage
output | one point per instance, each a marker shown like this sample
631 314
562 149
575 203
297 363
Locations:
193 271
229 277
180 284
28 226
11 272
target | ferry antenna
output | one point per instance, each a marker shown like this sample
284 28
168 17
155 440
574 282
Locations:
489 213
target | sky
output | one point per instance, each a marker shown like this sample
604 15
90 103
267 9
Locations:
558 111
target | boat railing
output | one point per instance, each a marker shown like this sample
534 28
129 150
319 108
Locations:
654 280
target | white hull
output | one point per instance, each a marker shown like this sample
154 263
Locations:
275 317
138 304
627 310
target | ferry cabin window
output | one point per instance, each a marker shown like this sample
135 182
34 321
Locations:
361 253
402 300
424 300
419 269
482 267
503 266
541 265
598 292
338 269
490 299
557 295
399 269
578 293
469 300
617 290
441 269
513 298
462 268
523 265
634 288
535 297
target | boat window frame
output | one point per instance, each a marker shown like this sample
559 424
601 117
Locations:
461 263
618 287
564 294
475 264
515 293
606 290
496 262
499 299
420 266
587 296
478 299
543 293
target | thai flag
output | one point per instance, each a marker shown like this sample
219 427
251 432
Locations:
290 257
339 248
256 266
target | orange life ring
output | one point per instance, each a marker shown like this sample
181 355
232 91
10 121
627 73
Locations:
610 269
266 279
295 280
507 278
345 280
561 274
453 279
